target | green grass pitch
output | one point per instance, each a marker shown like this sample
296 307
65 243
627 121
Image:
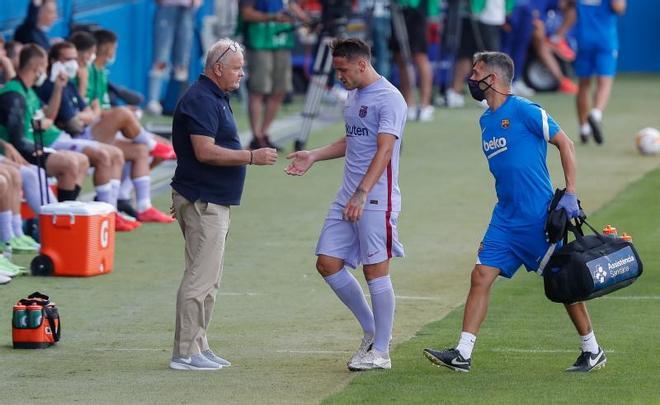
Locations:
289 337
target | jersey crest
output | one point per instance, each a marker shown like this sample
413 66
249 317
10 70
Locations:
363 111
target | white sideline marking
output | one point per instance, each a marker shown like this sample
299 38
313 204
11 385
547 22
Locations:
512 350
633 297
113 349
314 351
409 297
249 294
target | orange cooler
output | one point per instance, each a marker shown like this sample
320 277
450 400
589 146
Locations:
77 239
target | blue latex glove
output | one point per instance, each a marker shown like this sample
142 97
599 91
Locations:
569 203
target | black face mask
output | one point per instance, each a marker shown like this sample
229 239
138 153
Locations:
478 93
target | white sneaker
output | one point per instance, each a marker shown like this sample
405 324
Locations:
154 108
181 75
412 113
426 113
365 346
215 358
372 360
6 273
454 99
194 363
4 279
519 88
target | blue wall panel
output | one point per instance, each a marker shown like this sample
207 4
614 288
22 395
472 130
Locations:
132 20
639 37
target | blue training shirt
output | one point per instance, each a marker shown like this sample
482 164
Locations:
596 26
514 140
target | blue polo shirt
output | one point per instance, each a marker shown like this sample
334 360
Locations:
204 110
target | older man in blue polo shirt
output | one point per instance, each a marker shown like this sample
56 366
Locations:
208 180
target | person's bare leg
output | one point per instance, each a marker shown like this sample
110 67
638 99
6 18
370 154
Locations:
100 160
404 81
603 91
83 167
476 308
570 17
255 107
64 167
476 305
580 317
425 78
462 69
582 100
12 174
138 155
328 265
544 52
273 104
115 120
117 161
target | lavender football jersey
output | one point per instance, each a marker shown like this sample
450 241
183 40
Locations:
376 109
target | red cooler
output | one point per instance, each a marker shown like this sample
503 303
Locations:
77 239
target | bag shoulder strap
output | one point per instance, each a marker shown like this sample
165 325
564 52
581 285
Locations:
52 314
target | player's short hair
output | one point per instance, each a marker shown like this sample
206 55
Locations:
10 48
497 61
83 40
350 48
55 50
29 53
104 37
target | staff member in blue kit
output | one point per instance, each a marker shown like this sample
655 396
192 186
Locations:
208 180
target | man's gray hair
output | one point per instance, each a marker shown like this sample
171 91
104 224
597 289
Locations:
218 49
497 61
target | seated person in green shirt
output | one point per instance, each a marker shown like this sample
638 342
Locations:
18 118
92 83
117 125
64 101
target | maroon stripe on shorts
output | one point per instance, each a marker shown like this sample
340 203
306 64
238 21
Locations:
388 213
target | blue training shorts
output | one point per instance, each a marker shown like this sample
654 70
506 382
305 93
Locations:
507 250
595 61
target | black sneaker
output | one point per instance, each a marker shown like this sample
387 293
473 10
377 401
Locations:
254 144
584 138
265 142
450 358
298 145
588 361
595 129
269 144
126 207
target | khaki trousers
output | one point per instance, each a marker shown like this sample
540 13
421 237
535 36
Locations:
205 227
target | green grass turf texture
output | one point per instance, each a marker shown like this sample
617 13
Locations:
526 340
287 334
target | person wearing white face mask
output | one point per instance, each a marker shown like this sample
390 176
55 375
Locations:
20 113
64 104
